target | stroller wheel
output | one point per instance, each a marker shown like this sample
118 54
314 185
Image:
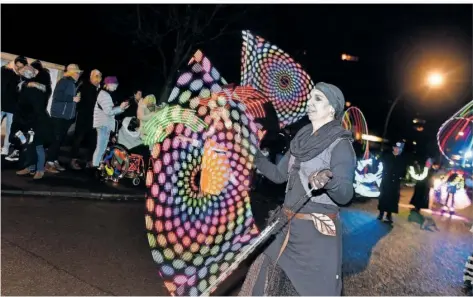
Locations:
136 181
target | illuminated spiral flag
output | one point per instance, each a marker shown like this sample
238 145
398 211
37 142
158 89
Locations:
354 120
455 141
198 214
257 106
200 79
455 137
277 76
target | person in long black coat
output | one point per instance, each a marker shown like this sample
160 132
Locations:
394 169
420 199
32 116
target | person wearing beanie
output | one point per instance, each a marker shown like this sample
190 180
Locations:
306 258
89 91
10 79
394 169
104 117
63 112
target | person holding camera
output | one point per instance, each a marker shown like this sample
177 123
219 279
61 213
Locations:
104 117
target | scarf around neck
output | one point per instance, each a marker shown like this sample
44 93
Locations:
306 145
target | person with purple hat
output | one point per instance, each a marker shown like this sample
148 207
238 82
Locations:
394 170
104 117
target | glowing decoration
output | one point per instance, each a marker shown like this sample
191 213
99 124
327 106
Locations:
354 120
277 76
199 80
367 184
451 184
418 177
257 106
455 140
198 212
215 168
164 121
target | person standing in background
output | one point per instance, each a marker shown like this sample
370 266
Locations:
394 169
10 79
85 119
63 111
34 93
104 117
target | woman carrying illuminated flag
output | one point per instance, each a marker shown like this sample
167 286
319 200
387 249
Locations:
306 258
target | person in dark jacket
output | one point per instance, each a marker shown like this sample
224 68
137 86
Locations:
423 177
85 117
63 112
394 169
31 115
10 80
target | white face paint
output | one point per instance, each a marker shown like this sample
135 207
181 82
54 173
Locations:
318 107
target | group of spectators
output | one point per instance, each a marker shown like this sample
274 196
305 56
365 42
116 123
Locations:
26 91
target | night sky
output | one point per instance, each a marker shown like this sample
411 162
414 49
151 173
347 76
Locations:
396 44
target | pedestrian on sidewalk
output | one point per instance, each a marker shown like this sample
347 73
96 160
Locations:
63 112
85 119
104 117
394 169
305 259
34 94
10 78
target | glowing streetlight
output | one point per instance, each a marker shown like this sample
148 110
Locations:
435 79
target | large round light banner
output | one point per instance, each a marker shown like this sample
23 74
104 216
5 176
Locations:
198 214
455 141
275 74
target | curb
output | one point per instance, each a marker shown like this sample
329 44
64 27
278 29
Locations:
81 195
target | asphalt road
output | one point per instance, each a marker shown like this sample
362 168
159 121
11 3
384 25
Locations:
56 246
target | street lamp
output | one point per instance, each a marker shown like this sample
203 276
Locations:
434 80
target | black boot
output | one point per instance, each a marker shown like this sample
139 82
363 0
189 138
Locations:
381 215
389 218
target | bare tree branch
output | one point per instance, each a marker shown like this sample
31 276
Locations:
173 31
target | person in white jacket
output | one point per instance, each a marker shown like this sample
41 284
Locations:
104 117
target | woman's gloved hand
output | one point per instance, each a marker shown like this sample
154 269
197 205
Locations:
319 179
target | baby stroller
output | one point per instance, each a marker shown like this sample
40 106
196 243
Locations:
118 162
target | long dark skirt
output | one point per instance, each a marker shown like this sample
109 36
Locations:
420 199
309 266
390 195
267 279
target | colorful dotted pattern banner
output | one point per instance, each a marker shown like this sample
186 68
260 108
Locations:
277 76
198 213
199 80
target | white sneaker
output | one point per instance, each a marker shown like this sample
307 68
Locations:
5 151
14 156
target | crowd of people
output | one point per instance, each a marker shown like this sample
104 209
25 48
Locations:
26 90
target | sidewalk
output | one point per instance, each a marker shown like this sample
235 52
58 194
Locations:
69 183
